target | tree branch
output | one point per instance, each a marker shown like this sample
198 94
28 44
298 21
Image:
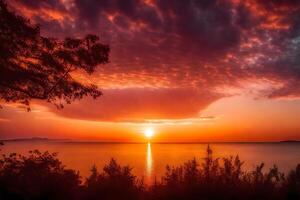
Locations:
46 94
23 91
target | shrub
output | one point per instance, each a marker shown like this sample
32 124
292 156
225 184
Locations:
36 176
115 182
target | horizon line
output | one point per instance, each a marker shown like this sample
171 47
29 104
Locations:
67 140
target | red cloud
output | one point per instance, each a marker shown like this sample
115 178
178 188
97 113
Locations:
135 104
197 46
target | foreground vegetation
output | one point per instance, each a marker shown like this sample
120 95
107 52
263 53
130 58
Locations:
41 176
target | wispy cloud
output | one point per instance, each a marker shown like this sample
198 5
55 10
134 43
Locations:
186 121
4 120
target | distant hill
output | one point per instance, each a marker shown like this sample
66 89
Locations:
37 139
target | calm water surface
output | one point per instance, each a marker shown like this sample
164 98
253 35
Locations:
149 160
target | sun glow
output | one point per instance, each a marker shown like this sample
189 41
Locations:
149 133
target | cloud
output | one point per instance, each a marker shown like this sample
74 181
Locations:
140 105
164 54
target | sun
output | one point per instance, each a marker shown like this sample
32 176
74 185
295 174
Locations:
149 133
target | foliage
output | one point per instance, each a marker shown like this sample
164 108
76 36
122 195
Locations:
36 176
37 67
221 180
115 182
42 176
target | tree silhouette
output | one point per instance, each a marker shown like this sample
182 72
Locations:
37 176
115 182
37 67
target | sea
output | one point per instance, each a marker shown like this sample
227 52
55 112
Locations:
149 160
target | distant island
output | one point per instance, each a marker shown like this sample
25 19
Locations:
290 141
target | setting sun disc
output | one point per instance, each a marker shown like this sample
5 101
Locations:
149 132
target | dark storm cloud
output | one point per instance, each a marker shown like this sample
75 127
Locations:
54 4
92 10
206 45
279 24
207 26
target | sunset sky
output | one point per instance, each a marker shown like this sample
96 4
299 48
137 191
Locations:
193 71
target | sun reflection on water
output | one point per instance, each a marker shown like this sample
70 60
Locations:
149 163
